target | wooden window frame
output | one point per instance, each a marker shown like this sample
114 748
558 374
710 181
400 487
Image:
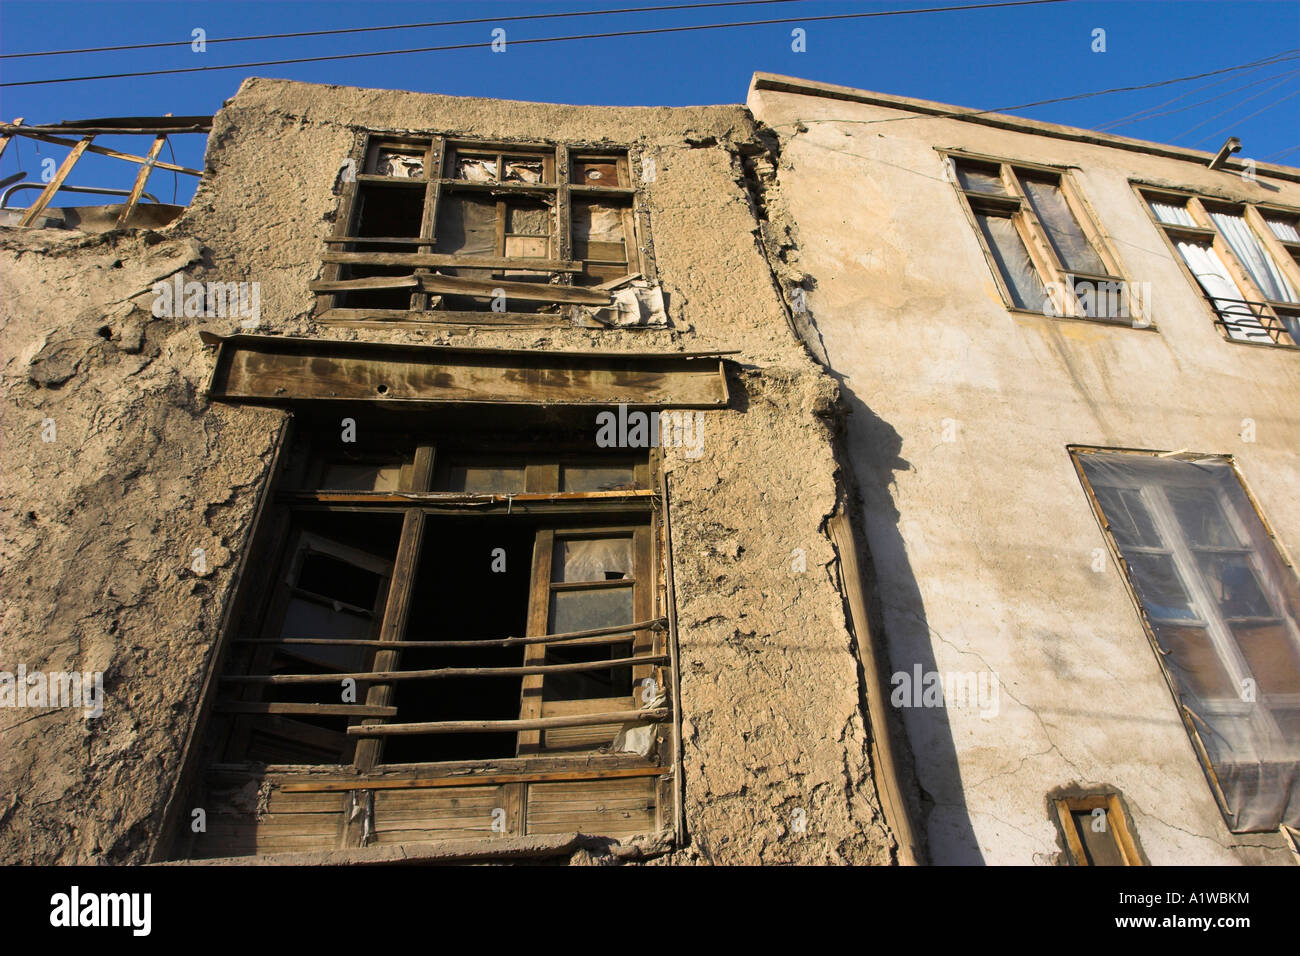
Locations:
637 512
1205 231
1057 280
1117 825
439 181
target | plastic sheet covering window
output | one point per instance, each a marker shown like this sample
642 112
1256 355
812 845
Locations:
1285 229
1247 247
1174 215
467 226
1026 288
1225 610
1076 252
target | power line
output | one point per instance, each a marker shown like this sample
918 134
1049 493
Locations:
1240 103
1151 112
398 26
1079 96
584 36
1277 102
1280 153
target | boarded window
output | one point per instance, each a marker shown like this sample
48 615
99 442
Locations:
1223 608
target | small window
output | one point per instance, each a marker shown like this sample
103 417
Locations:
1047 254
1244 259
1097 831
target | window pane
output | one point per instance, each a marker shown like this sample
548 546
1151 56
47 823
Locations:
592 559
1233 585
1157 583
467 226
1254 257
1194 662
586 610
1221 289
1026 288
1174 214
486 479
597 477
1099 846
338 580
402 164
979 179
347 476
1127 515
1203 521
523 170
476 169
1272 655
1284 227
1063 229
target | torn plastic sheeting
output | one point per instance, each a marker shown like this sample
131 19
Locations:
638 303
467 226
399 165
523 172
597 223
639 738
477 170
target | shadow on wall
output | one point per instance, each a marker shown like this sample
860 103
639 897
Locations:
897 616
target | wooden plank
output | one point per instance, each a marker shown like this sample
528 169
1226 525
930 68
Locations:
491 642
387 676
463 320
500 726
52 187
466 780
527 291
443 260
141 178
370 282
316 710
281 370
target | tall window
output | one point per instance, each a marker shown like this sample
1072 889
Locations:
445 629
443 230
1046 253
1223 607
1243 258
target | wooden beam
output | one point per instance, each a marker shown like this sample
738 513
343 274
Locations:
371 282
527 291
314 710
656 624
439 260
141 178
105 151
499 726
471 780
386 676
453 497
53 186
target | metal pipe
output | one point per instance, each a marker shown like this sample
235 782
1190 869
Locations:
102 190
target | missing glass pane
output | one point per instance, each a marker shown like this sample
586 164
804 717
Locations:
592 559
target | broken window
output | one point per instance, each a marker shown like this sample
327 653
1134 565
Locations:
1223 609
1046 253
447 615
445 230
1097 831
1243 258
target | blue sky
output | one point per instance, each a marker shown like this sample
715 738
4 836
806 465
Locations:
973 58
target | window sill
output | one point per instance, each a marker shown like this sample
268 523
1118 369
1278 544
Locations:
1108 323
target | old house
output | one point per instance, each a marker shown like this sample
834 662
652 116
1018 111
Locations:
1072 367
840 478
445 482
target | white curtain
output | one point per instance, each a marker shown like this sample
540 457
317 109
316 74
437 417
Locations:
1284 229
1213 276
1255 258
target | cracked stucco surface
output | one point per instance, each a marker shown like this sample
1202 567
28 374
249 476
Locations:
981 536
100 525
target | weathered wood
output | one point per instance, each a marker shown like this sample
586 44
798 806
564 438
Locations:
436 260
280 370
385 676
526 291
657 623
141 178
499 726
448 497
105 151
420 783
417 321
315 710
370 282
52 187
